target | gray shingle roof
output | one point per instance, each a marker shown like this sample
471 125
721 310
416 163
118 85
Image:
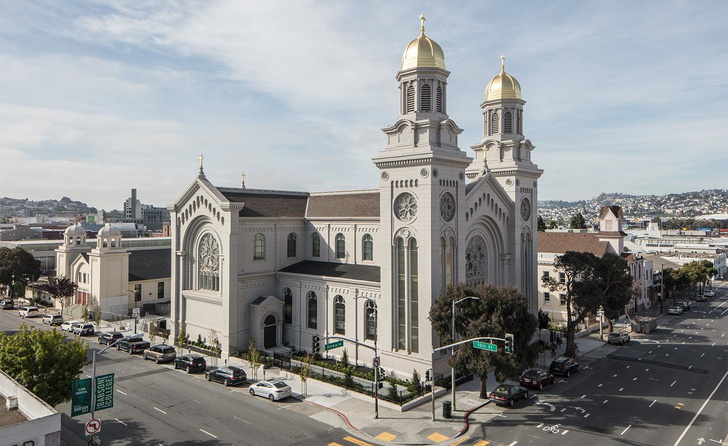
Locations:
560 242
148 264
354 204
368 273
268 203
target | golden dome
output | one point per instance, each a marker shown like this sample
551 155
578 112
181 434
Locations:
423 52
503 86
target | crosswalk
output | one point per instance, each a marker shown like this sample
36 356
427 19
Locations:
462 441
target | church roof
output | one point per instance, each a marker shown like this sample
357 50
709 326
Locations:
368 273
148 264
353 204
261 203
560 242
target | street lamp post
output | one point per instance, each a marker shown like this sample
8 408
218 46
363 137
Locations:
376 363
452 350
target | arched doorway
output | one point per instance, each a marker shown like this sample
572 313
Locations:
269 332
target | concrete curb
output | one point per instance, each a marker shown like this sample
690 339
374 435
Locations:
341 414
466 423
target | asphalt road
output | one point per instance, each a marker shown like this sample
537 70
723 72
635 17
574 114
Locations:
156 405
665 388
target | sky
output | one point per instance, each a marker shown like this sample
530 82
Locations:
99 97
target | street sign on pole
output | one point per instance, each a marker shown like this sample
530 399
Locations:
92 427
104 391
485 346
333 345
376 362
80 397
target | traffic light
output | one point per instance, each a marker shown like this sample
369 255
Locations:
316 343
509 343
427 375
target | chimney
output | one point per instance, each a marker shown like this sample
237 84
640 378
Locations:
11 402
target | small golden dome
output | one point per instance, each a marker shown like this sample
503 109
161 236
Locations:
423 52
503 86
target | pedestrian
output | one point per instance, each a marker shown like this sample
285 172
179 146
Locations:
553 349
558 341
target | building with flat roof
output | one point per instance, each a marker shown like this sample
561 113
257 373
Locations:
25 419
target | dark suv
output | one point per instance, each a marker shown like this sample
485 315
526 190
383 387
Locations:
110 337
160 353
190 363
229 376
133 345
564 366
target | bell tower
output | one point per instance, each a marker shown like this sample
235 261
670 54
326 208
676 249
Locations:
422 181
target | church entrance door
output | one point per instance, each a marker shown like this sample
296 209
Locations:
269 332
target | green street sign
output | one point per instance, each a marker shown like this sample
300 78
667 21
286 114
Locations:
81 397
485 346
104 391
334 345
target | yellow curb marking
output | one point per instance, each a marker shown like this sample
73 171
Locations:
437 437
357 441
385 436
460 441
481 443
678 407
334 444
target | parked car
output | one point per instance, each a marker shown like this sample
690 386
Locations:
563 366
675 310
685 304
229 376
52 319
28 312
709 293
68 325
536 378
190 363
132 345
160 353
508 394
702 298
84 329
273 389
7 304
618 337
110 337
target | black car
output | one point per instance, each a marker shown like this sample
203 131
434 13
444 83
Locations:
229 376
110 337
507 394
190 363
564 366
132 345
536 378
7 304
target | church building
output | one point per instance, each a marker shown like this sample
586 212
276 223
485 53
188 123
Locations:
282 267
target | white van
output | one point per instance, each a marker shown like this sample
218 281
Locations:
29 312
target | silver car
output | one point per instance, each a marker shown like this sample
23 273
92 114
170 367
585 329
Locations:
618 337
675 310
273 389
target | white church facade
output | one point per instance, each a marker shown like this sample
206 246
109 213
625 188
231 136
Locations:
282 267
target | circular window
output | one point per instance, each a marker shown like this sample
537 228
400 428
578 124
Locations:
405 206
447 206
525 209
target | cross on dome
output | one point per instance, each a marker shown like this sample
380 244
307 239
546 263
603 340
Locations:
422 28
503 63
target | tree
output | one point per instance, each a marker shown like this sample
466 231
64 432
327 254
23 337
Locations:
61 289
582 297
543 320
699 272
498 311
577 221
553 224
254 357
43 362
306 372
17 266
414 384
541 224
674 281
614 285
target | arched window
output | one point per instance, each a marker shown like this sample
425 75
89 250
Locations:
259 247
287 306
410 107
339 315
340 246
370 313
507 123
292 241
425 98
414 298
208 264
475 261
106 243
312 310
407 296
518 122
494 122
367 251
401 296
440 109
113 243
315 245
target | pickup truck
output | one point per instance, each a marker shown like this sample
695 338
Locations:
132 345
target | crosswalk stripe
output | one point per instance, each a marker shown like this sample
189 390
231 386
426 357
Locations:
357 441
481 443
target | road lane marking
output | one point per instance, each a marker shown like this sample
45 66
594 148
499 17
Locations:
564 432
583 396
123 393
653 403
649 352
539 426
242 420
673 383
121 421
513 444
690 367
605 401
197 401
204 431
702 355
647 370
600 385
697 414
627 366
713 344
634 379
586 416
625 429
563 410
157 408
621 388
614 376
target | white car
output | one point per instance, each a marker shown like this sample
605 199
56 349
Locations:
68 325
709 293
29 312
273 389
675 310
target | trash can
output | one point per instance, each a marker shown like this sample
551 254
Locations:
447 409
